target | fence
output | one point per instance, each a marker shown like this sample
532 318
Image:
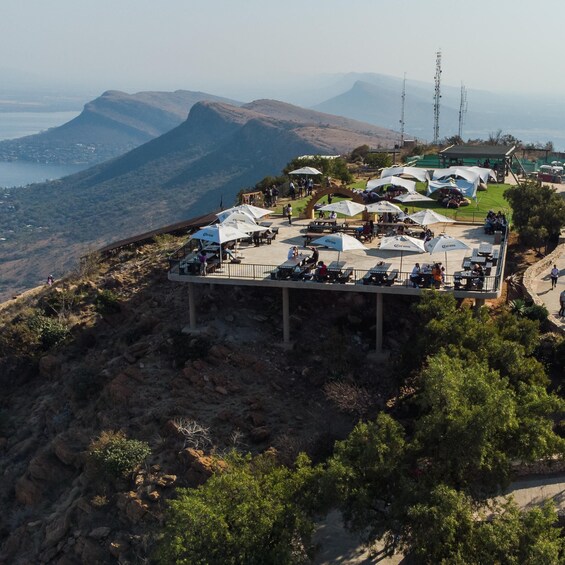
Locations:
251 271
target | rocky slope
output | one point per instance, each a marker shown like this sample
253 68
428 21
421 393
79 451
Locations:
126 365
108 126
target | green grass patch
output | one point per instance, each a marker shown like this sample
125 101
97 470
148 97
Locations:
490 199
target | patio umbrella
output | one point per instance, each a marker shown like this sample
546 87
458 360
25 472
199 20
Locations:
340 242
409 185
446 244
402 243
254 211
243 226
219 233
428 217
234 214
384 207
306 171
347 207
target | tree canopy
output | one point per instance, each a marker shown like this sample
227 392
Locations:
538 212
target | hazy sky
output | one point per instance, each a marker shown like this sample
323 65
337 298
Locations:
134 45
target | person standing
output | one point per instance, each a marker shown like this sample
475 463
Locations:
554 275
562 303
289 213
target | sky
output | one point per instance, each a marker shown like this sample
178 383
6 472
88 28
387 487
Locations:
256 47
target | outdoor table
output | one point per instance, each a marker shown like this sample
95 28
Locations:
480 259
485 249
336 266
380 269
286 269
470 278
266 224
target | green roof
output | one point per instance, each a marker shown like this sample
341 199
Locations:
478 151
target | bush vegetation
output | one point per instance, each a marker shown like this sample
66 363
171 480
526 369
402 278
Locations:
116 455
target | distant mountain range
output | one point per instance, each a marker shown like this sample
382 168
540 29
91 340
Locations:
218 150
376 99
108 126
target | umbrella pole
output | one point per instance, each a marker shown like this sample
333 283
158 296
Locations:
400 271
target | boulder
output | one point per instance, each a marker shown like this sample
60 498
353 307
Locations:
100 532
93 553
49 366
27 491
260 434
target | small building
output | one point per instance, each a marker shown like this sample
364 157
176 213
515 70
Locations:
496 157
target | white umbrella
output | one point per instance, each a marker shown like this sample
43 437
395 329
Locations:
340 242
347 207
306 171
384 207
445 244
428 217
243 226
241 215
409 185
219 233
402 243
253 211
412 197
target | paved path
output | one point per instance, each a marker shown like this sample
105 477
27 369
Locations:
542 287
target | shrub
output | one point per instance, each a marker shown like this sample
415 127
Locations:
116 455
536 312
185 347
50 331
107 302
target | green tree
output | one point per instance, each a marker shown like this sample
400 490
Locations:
538 213
378 160
253 512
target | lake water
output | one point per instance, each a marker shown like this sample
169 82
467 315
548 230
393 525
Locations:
20 124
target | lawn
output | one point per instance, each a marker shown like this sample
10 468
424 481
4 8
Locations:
491 199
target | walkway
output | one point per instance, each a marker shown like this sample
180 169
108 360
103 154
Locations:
541 286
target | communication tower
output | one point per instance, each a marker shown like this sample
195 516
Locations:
437 96
402 112
462 110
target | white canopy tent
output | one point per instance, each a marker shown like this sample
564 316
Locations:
464 187
454 172
414 172
409 185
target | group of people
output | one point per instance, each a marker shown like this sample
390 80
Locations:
427 275
271 196
495 222
303 187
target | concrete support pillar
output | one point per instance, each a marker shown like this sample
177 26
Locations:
379 341
479 302
286 316
191 307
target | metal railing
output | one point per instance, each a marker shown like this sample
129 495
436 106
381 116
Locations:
253 271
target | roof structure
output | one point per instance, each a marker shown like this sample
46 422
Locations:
478 151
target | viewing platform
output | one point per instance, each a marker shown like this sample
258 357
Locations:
264 263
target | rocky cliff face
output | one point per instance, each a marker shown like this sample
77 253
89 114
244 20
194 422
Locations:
127 364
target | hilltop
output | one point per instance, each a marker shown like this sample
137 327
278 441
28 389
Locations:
188 171
108 126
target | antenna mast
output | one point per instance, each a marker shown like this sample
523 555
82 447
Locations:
437 97
462 109
402 112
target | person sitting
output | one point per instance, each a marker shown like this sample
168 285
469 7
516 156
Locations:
333 215
437 275
292 252
313 259
321 272
415 275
